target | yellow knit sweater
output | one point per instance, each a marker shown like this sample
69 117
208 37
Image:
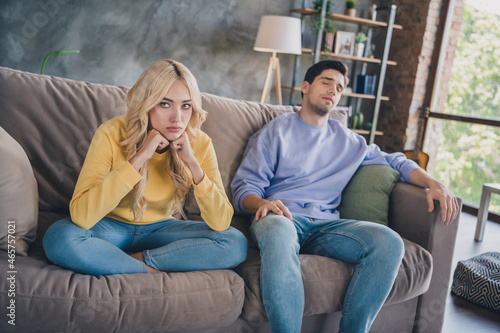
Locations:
107 178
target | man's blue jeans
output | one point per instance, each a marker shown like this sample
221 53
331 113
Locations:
171 245
376 250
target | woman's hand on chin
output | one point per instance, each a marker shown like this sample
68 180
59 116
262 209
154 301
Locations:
183 148
154 141
186 154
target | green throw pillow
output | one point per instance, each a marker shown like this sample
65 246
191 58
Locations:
366 196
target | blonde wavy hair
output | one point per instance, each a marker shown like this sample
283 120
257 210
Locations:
148 91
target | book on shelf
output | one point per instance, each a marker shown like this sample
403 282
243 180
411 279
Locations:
365 84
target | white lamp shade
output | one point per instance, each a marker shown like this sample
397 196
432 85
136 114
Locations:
279 34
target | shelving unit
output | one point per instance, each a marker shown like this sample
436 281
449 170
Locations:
384 98
347 57
383 62
349 19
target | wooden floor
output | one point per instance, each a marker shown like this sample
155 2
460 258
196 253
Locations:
462 316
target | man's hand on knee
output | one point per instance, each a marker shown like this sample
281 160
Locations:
275 206
254 204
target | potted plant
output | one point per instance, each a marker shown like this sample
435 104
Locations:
328 29
360 40
350 8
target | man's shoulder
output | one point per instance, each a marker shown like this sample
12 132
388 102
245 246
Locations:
274 128
279 122
338 127
285 117
335 123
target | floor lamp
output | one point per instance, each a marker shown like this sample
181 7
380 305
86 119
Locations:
277 34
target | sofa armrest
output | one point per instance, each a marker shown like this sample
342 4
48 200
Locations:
409 217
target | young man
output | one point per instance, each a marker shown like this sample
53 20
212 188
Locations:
291 178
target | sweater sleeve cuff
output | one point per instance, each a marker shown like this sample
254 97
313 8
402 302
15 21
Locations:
129 174
203 187
407 170
238 202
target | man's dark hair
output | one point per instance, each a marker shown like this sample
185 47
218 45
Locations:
319 67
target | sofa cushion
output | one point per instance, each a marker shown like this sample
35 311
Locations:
326 281
368 200
61 300
18 197
54 119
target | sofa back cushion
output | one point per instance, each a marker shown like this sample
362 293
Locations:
54 119
368 200
18 198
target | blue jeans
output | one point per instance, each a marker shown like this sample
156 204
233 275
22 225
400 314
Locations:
171 245
376 250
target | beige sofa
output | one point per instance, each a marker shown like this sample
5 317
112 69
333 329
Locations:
46 124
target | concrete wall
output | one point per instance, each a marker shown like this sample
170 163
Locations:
118 39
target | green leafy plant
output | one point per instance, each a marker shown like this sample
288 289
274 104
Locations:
360 37
350 4
316 17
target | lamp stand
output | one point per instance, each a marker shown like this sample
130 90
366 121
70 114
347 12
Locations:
274 65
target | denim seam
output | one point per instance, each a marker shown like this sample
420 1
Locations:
348 296
308 233
216 233
353 281
135 233
110 232
147 256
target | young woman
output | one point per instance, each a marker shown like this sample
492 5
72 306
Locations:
136 175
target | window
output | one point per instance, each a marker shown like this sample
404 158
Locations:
468 147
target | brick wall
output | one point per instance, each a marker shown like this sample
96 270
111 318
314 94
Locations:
434 128
408 85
